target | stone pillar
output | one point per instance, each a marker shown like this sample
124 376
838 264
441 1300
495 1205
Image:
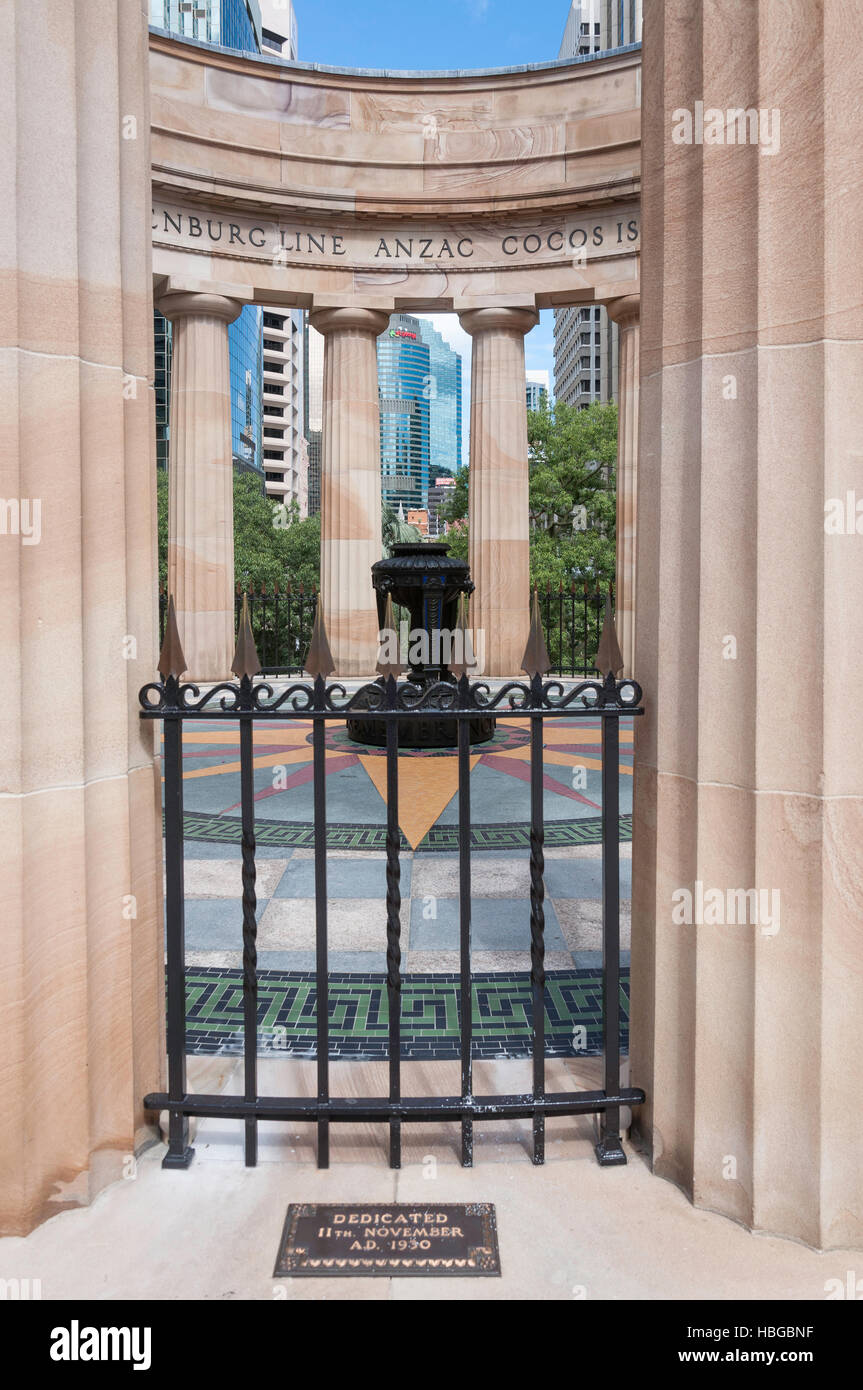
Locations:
498 504
625 313
201 482
749 766
81 985
350 484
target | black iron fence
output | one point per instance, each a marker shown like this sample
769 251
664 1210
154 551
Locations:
251 704
282 619
572 619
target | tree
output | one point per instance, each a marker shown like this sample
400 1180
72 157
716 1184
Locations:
273 544
571 501
162 524
572 457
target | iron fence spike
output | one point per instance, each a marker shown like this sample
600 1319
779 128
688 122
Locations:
246 661
609 658
319 661
172 662
389 668
535 661
460 668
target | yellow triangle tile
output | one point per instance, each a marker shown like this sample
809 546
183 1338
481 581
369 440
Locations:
426 787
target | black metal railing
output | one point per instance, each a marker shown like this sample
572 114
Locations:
283 616
572 621
253 703
282 619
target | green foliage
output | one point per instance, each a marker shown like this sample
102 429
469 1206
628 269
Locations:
162 524
457 540
272 544
572 458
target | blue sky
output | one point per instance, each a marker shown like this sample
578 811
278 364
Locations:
441 34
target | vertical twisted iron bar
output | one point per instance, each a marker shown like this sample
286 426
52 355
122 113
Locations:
537 924
394 900
609 1150
250 932
321 980
466 990
585 652
179 1153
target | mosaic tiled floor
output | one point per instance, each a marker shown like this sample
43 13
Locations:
356 887
357 837
428 784
430 1015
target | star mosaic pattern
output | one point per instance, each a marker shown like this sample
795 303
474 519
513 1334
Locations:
428 784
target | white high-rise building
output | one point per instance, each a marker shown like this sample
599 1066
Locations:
585 339
285 456
537 388
284 445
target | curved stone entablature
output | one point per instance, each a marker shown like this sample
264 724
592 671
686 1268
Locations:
308 186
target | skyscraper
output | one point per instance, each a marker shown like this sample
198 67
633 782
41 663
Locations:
404 382
285 443
232 24
419 385
444 393
246 361
536 389
585 339
313 400
285 453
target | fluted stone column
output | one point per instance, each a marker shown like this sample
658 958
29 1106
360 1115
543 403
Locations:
498 503
201 480
625 313
749 764
350 484
82 976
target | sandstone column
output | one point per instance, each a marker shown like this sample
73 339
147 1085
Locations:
498 505
749 764
350 484
625 313
201 506
81 985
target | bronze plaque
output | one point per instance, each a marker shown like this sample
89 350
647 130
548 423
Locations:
400 1238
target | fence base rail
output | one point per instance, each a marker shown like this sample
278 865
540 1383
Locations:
409 1108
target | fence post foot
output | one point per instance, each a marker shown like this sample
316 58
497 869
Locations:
609 1151
178 1160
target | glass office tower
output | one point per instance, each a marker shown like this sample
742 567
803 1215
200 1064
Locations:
231 23
404 378
444 401
245 351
